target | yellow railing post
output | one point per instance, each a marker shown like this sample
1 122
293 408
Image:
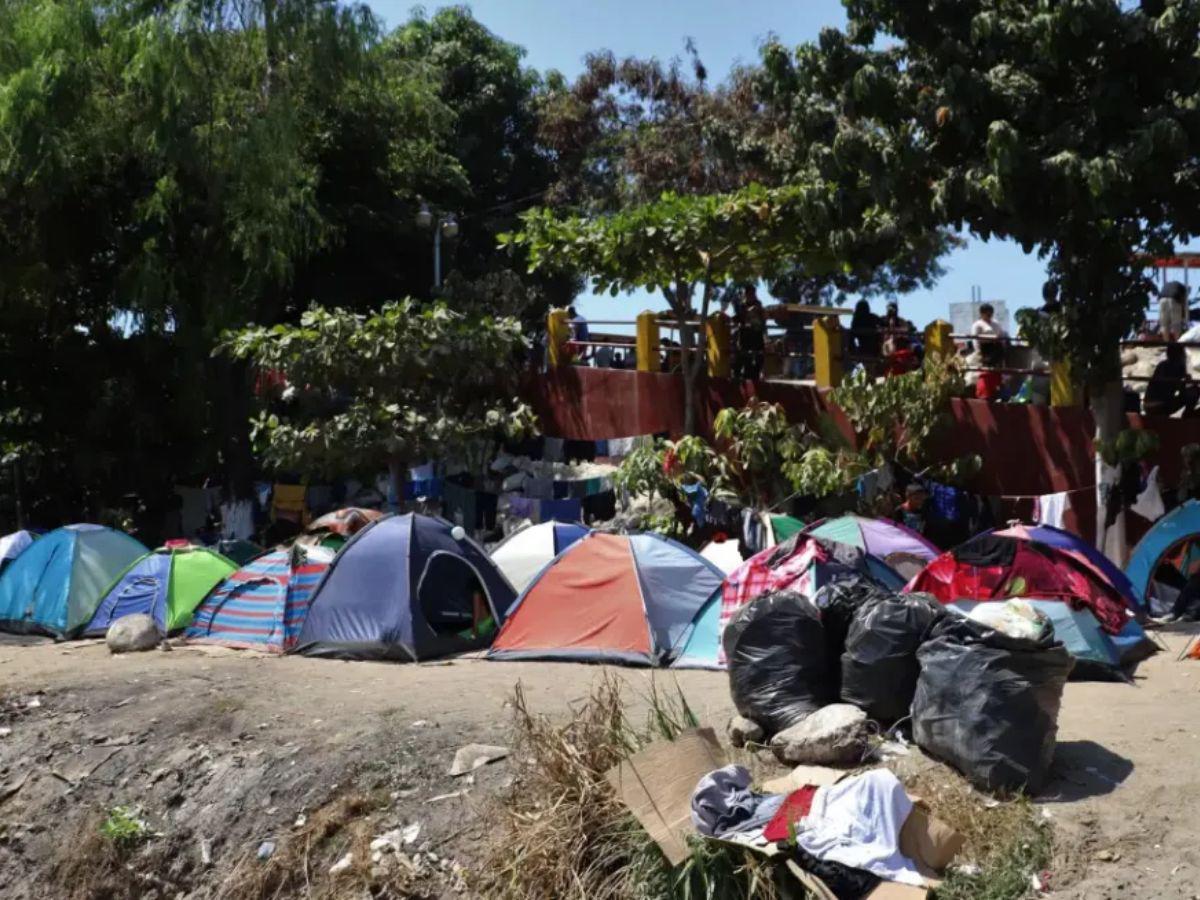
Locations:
558 333
1062 386
827 351
648 359
716 329
938 340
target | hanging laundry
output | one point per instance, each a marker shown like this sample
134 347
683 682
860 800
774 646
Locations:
552 451
697 495
1149 504
1051 509
560 510
237 520
600 507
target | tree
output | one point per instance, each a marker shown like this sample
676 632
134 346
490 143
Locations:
681 245
629 130
1068 127
409 383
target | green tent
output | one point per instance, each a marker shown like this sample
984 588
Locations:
783 527
167 584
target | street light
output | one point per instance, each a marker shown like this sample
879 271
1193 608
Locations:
444 226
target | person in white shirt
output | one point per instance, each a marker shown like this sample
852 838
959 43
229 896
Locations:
1172 311
986 328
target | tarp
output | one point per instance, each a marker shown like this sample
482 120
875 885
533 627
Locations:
55 586
403 589
725 554
524 553
167 585
1082 551
346 522
990 567
262 605
1179 525
610 598
802 564
11 546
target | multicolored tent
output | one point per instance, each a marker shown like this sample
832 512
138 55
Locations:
524 553
803 563
1080 550
1174 538
610 598
262 605
12 545
897 545
991 567
55 585
167 584
408 587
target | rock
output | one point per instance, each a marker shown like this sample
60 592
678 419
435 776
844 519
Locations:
743 731
342 864
132 633
834 735
473 756
266 850
1107 856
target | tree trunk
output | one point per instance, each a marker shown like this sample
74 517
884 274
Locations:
1107 410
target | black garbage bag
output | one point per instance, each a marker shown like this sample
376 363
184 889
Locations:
778 669
838 603
879 665
987 703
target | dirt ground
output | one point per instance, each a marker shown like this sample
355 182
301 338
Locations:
224 750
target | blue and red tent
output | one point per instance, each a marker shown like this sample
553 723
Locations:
263 605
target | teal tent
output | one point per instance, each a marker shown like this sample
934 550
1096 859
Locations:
1170 534
1096 656
55 585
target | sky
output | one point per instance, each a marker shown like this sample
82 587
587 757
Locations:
557 34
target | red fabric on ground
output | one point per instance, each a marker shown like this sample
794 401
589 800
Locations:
794 808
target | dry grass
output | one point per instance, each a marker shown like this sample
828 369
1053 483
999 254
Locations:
1009 842
92 866
300 864
562 833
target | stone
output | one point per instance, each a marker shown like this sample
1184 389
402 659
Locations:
266 850
342 864
132 634
743 731
835 735
474 756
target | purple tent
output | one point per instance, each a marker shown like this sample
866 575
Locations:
900 547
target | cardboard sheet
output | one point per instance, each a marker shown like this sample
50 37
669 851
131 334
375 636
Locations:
657 784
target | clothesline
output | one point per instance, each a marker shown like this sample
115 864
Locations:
1037 496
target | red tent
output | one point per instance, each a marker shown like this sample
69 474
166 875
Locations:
991 567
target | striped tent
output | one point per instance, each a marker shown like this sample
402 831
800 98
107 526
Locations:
262 606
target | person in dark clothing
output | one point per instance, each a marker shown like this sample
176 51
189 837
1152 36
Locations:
864 332
1171 388
751 322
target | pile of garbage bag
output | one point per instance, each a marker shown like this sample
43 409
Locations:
775 648
987 703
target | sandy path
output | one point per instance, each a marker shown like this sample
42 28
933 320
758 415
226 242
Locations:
1126 767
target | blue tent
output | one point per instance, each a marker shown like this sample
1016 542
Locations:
1179 525
55 586
404 588
1096 655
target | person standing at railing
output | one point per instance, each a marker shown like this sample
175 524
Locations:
989 336
864 334
579 333
1171 388
751 321
1172 310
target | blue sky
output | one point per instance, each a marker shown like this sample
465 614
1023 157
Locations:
558 33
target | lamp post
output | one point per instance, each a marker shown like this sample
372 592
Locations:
446 226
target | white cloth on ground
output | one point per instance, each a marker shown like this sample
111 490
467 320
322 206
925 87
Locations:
1052 509
857 823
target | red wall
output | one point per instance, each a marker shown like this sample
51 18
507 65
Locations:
1027 450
